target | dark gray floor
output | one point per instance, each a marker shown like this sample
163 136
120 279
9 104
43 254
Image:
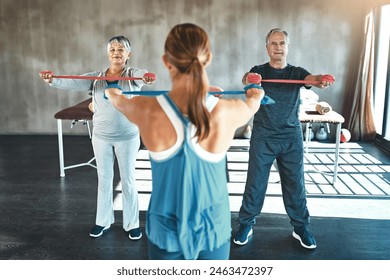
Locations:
45 217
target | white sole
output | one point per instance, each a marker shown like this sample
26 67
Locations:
246 241
296 236
135 238
101 233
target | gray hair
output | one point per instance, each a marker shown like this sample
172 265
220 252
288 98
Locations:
276 30
121 40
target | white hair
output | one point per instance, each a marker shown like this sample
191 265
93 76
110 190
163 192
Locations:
276 30
121 40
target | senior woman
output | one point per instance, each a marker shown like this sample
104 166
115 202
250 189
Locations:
113 136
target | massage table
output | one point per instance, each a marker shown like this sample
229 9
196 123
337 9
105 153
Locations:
77 113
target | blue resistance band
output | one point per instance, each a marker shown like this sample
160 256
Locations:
265 101
252 86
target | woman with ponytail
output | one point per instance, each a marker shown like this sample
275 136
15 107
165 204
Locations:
187 132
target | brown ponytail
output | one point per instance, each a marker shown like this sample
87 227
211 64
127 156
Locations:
187 47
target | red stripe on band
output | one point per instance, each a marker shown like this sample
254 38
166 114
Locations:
291 81
96 78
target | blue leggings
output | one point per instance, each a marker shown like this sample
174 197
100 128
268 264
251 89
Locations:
221 253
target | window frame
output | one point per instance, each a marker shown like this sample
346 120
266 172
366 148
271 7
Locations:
383 131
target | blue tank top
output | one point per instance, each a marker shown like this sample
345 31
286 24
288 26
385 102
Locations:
189 206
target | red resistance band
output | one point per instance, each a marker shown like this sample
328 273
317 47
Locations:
291 81
147 75
95 78
256 79
252 78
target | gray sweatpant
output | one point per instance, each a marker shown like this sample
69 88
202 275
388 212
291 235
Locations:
125 153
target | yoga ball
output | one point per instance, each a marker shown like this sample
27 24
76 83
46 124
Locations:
345 135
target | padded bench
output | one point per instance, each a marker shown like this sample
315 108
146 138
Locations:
77 113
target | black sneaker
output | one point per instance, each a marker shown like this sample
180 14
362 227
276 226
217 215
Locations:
98 231
243 234
305 237
135 234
